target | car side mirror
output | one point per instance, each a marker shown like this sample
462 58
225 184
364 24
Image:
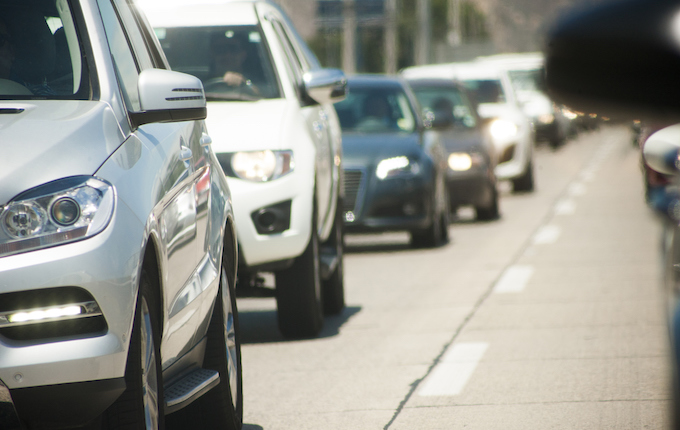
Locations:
325 85
662 150
167 96
619 59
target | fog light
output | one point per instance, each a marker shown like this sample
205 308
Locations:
349 216
42 314
49 314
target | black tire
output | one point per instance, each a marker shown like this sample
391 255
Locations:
298 293
334 287
489 213
525 182
141 405
433 235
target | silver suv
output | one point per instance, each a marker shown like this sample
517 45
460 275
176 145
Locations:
118 252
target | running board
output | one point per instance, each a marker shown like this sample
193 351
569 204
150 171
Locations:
328 261
189 388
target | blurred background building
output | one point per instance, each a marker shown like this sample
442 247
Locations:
378 36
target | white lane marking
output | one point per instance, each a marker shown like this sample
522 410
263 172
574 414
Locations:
449 376
514 279
565 207
577 189
547 234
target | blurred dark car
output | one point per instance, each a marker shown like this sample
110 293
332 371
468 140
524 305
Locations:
470 155
394 172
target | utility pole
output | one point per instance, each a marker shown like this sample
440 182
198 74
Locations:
390 36
455 33
424 34
349 44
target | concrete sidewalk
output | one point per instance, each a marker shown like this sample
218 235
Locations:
574 334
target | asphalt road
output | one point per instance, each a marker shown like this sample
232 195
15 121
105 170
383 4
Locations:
551 317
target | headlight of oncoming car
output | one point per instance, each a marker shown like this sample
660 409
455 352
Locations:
56 213
396 166
503 129
546 118
463 161
262 166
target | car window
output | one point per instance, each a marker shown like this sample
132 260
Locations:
40 52
124 62
486 90
233 62
376 110
434 99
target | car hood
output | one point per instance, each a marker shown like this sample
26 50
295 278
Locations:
366 150
241 126
53 139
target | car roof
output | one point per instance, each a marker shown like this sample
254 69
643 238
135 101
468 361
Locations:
200 13
463 70
432 82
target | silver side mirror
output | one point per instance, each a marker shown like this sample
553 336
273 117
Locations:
662 150
167 96
326 85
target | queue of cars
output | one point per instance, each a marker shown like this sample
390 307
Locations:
159 165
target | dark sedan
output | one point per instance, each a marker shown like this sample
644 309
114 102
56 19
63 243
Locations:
470 155
394 171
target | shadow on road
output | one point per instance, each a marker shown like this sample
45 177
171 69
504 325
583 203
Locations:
368 248
261 326
251 427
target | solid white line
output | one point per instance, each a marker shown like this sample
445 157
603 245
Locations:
448 378
514 279
547 234
565 207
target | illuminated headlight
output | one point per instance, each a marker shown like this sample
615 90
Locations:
569 114
262 166
49 314
503 129
462 161
547 118
59 212
396 166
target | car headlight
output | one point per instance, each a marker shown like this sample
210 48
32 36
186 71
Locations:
546 118
262 166
396 166
503 129
463 161
56 213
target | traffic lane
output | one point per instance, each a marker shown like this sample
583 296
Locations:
407 306
583 344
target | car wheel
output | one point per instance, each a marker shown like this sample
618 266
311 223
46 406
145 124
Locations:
491 212
298 292
526 181
431 236
333 287
141 404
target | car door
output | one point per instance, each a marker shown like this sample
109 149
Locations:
317 123
180 164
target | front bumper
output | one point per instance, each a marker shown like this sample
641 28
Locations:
291 197
106 268
374 205
474 187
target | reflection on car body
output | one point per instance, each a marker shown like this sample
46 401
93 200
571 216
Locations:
394 171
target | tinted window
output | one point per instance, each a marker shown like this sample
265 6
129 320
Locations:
232 61
486 90
40 53
449 101
376 110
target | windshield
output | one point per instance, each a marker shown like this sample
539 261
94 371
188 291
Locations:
485 90
40 56
448 101
376 110
527 80
232 61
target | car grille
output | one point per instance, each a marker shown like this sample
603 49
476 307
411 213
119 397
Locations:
352 187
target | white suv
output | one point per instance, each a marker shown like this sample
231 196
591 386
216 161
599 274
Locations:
277 136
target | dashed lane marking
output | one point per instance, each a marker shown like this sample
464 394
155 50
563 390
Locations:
451 374
514 279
